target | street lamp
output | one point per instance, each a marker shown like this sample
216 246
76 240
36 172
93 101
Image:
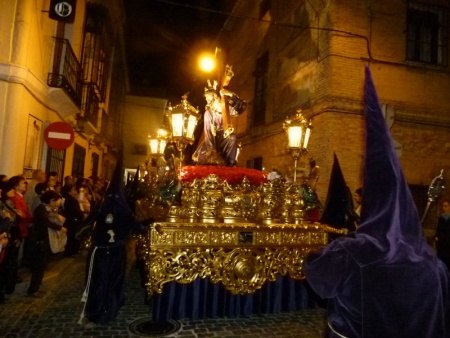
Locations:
207 63
298 130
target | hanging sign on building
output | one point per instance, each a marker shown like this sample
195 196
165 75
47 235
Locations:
63 10
59 135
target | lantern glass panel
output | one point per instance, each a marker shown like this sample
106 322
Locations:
153 145
306 140
177 124
162 146
192 122
295 136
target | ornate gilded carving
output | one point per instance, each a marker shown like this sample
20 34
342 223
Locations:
240 270
210 200
242 257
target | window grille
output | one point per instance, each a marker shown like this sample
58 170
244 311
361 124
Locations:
79 155
259 108
55 161
427 33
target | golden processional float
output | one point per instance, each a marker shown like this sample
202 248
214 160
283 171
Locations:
228 224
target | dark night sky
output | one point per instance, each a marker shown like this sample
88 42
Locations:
163 41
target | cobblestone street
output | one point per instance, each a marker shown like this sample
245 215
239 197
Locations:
56 314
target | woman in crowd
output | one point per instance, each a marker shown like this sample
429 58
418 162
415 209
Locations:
19 184
39 240
20 187
85 205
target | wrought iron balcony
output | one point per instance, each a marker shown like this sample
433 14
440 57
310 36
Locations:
66 71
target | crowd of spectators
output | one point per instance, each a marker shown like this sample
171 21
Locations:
28 208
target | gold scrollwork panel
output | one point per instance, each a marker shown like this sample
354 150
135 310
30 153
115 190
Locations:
240 270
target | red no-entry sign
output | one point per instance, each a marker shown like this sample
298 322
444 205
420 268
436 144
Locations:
59 135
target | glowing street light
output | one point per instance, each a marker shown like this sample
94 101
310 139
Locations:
207 63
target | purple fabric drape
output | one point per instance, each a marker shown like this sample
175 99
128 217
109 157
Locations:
203 299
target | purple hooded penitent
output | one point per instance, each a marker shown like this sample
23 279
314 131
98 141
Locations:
383 280
114 222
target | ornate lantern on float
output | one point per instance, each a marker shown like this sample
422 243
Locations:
183 120
298 131
158 142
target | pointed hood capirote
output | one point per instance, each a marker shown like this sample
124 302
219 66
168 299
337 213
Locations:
389 224
114 212
383 280
338 205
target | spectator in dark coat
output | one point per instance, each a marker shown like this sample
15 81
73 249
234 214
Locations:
39 240
442 237
74 217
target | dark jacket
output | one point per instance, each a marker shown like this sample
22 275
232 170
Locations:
72 212
40 227
443 237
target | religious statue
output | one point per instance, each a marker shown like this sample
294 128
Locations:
308 189
313 175
218 144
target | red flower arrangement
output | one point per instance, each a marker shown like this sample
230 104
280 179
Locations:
233 175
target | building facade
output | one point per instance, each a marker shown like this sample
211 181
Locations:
310 56
61 62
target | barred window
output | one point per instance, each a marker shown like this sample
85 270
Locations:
427 33
55 161
79 155
259 108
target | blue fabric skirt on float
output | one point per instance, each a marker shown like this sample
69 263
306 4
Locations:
203 299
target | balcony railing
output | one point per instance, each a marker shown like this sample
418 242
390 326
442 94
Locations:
91 104
66 71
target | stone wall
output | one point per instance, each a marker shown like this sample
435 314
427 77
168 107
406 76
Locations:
317 51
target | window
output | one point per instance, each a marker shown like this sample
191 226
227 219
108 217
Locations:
95 158
55 161
96 48
79 155
259 108
139 149
255 163
427 34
